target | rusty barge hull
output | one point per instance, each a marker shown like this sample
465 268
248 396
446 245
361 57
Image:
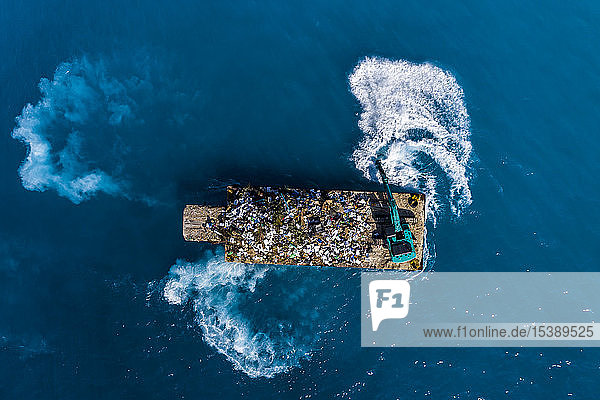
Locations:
286 226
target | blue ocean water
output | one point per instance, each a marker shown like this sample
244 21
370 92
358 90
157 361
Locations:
116 115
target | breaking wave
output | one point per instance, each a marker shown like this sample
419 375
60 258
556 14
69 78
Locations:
414 118
230 312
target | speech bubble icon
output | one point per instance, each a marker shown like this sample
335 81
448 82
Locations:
389 299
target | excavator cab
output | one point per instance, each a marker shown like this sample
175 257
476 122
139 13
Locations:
399 237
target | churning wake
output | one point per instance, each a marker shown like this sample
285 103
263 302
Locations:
414 117
262 322
93 128
79 95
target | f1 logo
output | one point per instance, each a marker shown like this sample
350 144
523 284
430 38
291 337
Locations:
389 299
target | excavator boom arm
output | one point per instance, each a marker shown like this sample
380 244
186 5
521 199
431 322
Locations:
400 244
395 216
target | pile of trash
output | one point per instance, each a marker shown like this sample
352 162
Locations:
295 226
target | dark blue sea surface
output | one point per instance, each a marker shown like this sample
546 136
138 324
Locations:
116 114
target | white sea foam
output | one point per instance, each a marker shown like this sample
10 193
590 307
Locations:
217 291
53 130
414 117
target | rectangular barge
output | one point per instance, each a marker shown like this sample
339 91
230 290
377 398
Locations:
286 226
